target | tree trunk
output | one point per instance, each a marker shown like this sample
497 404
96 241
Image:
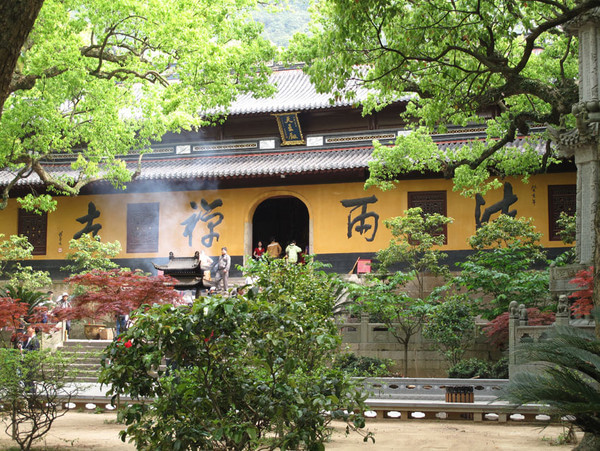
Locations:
406 358
16 21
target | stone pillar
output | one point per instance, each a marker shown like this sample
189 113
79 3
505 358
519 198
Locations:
588 165
582 143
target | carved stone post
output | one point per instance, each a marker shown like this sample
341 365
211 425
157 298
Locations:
562 312
523 315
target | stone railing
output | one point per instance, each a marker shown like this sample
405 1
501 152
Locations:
437 399
433 389
398 399
519 330
362 337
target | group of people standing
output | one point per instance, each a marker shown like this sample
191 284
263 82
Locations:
274 250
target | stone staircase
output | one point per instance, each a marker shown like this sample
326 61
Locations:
87 357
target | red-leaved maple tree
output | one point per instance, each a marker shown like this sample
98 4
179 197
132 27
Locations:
111 292
12 313
15 315
583 304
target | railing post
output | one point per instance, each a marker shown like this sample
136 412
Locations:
523 315
562 311
513 321
364 328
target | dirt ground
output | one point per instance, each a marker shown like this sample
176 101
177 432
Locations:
89 431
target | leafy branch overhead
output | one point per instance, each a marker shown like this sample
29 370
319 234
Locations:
110 79
454 63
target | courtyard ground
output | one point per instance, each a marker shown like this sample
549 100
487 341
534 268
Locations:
99 432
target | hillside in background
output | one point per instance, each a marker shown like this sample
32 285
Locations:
280 26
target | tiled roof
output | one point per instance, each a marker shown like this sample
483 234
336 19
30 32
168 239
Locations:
233 166
295 92
246 164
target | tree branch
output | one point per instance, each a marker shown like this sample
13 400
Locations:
9 186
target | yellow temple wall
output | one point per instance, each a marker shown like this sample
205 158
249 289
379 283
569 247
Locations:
329 218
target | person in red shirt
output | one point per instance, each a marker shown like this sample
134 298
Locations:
259 250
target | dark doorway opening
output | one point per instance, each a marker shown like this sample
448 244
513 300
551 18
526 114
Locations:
285 218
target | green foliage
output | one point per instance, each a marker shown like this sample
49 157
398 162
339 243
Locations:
39 203
15 248
243 372
568 234
451 326
506 251
568 380
89 252
33 386
28 278
114 77
416 237
568 227
450 61
481 369
362 366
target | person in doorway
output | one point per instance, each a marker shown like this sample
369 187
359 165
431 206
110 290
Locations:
274 249
292 251
259 250
223 264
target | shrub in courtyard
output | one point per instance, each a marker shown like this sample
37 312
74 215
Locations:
502 269
244 372
362 366
33 386
450 325
481 369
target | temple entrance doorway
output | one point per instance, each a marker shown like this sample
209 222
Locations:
283 217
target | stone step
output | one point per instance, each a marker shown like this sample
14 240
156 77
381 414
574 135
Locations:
86 344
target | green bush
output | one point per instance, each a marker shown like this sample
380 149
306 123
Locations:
482 369
244 373
500 369
362 366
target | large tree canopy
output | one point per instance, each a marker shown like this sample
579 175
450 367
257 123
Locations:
109 76
455 60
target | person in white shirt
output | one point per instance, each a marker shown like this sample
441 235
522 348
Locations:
291 252
223 264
